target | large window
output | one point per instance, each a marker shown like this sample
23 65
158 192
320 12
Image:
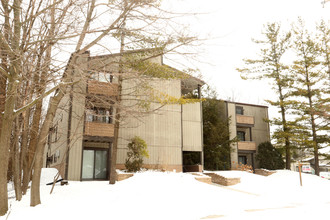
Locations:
95 164
101 115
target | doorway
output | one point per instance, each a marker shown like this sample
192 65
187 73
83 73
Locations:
95 164
242 160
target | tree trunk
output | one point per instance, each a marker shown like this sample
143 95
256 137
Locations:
16 163
6 130
113 173
24 156
32 146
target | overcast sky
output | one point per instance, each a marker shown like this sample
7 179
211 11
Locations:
232 24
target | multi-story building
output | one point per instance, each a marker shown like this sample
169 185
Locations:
249 123
80 141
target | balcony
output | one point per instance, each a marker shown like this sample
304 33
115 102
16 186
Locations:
245 120
99 129
247 145
102 88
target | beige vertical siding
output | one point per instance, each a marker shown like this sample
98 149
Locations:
60 144
160 129
260 130
77 122
233 132
192 127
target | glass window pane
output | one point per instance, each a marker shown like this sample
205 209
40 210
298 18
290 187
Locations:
88 164
101 164
239 110
104 77
241 135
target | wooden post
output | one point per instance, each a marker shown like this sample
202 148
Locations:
299 166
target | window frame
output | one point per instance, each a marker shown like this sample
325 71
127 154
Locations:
238 136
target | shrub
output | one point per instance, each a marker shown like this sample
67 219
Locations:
137 150
269 157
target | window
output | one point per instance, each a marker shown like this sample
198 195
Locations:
241 135
95 164
101 115
242 160
52 136
239 110
102 77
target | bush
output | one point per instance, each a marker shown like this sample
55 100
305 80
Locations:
269 157
137 150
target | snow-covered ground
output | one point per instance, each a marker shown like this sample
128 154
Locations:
171 196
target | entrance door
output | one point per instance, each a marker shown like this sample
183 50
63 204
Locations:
242 160
95 164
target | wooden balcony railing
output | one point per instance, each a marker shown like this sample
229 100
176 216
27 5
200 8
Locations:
247 145
99 129
246 120
102 88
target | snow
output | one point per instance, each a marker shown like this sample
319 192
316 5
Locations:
170 195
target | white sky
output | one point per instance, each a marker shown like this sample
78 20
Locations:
232 24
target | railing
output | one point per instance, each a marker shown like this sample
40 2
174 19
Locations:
99 129
247 145
243 119
102 88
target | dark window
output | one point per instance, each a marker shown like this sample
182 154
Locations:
241 135
242 160
52 136
239 110
101 115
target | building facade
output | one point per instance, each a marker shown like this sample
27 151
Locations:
80 141
249 124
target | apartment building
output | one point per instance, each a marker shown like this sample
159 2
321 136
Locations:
249 123
80 141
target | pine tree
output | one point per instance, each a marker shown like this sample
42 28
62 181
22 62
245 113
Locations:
270 66
269 157
216 134
309 90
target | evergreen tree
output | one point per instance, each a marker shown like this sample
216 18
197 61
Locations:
216 134
269 157
137 150
270 66
310 91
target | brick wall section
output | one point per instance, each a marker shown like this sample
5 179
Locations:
264 172
99 129
102 88
223 180
204 179
193 168
177 168
123 176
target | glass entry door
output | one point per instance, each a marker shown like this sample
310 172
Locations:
95 164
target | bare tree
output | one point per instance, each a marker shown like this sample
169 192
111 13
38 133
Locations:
35 40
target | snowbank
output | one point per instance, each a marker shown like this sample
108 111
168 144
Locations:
167 195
